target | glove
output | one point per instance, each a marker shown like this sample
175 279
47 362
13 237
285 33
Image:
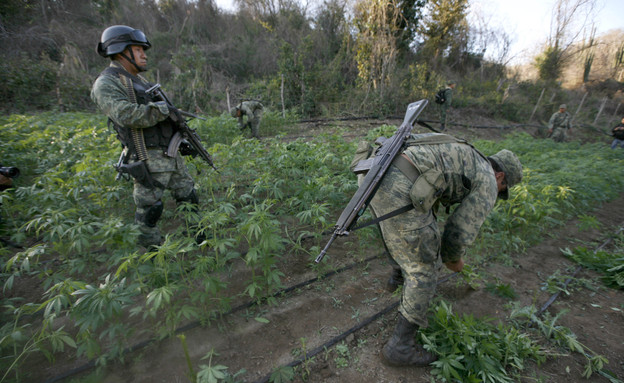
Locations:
187 150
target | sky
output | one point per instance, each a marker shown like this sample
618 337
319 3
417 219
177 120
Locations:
526 21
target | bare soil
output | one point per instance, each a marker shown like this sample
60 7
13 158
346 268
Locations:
310 316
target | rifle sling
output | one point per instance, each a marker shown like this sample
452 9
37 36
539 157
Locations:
384 217
409 171
424 124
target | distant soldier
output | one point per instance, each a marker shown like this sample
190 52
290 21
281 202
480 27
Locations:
443 99
253 111
144 128
559 124
618 135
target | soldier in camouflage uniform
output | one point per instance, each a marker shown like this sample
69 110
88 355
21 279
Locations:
559 124
448 97
434 169
143 126
253 110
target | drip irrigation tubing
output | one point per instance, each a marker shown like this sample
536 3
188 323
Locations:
434 121
553 297
318 349
90 364
333 341
393 305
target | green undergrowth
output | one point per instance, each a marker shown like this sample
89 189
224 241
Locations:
79 281
472 350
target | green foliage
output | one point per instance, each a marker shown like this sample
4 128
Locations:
76 223
501 289
549 64
282 374
609 264
563 337
474 350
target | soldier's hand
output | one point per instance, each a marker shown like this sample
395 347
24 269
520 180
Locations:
455 266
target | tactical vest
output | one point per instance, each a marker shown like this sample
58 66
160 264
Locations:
436 178
157 136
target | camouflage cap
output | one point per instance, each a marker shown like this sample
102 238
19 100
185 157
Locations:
511 166
563 106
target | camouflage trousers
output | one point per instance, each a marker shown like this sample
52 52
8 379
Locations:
443 112
559 134
413 240
174 176
254 123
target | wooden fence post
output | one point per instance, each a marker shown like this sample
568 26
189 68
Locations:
227 95
602 105
579 107
282 96
537 104
614 113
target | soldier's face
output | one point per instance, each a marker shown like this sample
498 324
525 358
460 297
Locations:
139 55
501 181
561 110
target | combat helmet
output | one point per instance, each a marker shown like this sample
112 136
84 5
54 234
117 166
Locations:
116 38
511 166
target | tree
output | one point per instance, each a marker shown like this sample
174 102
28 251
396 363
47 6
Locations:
376 21
445 31
569 19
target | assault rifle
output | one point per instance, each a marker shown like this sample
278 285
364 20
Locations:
184 134
378 167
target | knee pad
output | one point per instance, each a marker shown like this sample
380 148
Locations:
151 215
191 198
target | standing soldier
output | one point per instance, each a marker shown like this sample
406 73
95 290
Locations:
253 111
444 101
559 124
143 126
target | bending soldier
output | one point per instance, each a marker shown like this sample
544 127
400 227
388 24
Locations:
434 169
253 110
559 124
143 126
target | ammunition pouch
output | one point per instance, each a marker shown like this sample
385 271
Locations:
427 189
151 216
138 170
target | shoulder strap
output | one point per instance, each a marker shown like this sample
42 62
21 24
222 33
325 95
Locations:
127 80
438 139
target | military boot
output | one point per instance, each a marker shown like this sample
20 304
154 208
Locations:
402 349
396 279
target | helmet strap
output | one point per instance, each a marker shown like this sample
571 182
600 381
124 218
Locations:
132 61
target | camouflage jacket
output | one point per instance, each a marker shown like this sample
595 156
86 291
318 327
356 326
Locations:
112 98
559 120
448 96
468 180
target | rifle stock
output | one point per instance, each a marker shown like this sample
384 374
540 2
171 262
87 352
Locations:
380 164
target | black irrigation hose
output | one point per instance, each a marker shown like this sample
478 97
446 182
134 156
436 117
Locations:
374 317
333 341
87 366
565 284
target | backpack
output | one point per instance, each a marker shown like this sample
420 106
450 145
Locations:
440 97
